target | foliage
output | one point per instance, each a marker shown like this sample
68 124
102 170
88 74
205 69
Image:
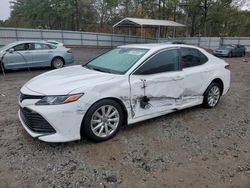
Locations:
202 17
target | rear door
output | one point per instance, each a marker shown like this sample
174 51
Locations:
156 86
20 58
42 55
196 72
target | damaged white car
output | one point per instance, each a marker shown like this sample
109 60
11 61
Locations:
126 85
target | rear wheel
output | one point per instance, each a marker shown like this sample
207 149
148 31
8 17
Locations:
57 63
103 120
212 95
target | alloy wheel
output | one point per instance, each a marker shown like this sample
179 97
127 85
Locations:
58 63
213 96
105 121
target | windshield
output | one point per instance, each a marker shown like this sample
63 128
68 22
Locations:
6 47
117 61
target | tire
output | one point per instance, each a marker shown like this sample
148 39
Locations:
57 63
98 126
230 55
212 95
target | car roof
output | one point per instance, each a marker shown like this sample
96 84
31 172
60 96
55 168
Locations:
29 41
229 44
157 46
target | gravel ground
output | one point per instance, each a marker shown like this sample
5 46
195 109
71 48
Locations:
195 147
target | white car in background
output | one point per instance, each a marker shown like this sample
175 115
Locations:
126 85
34 54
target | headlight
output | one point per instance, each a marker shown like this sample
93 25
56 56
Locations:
59 99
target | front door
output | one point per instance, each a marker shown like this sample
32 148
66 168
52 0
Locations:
20 58
156 86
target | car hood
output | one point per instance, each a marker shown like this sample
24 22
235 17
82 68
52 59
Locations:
66 80
223 49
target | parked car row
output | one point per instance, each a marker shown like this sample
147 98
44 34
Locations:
29 54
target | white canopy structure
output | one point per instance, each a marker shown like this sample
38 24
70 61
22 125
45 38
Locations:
146 23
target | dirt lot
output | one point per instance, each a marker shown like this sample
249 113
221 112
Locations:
196 147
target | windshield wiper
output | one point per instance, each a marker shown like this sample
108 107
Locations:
100 70
96 69
87 66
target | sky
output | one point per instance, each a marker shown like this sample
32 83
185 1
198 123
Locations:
5 8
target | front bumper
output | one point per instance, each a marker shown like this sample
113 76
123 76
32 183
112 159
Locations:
69 59
65 119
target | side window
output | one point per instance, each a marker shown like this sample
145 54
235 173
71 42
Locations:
40 46
162 62
191 57
23 47
52 47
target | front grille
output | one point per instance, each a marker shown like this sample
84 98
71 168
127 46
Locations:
35 122
23 97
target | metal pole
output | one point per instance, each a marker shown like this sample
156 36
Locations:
16 34
41 34
97 40
141 33
159 32
81 39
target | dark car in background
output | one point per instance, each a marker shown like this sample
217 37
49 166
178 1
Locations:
230 50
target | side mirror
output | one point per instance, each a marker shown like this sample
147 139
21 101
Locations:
11 50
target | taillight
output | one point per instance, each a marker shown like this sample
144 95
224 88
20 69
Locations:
227 67
69 51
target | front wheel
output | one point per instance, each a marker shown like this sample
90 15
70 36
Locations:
103 120
212 95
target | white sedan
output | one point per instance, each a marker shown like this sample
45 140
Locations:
126 85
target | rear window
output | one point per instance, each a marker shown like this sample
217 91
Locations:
191 57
